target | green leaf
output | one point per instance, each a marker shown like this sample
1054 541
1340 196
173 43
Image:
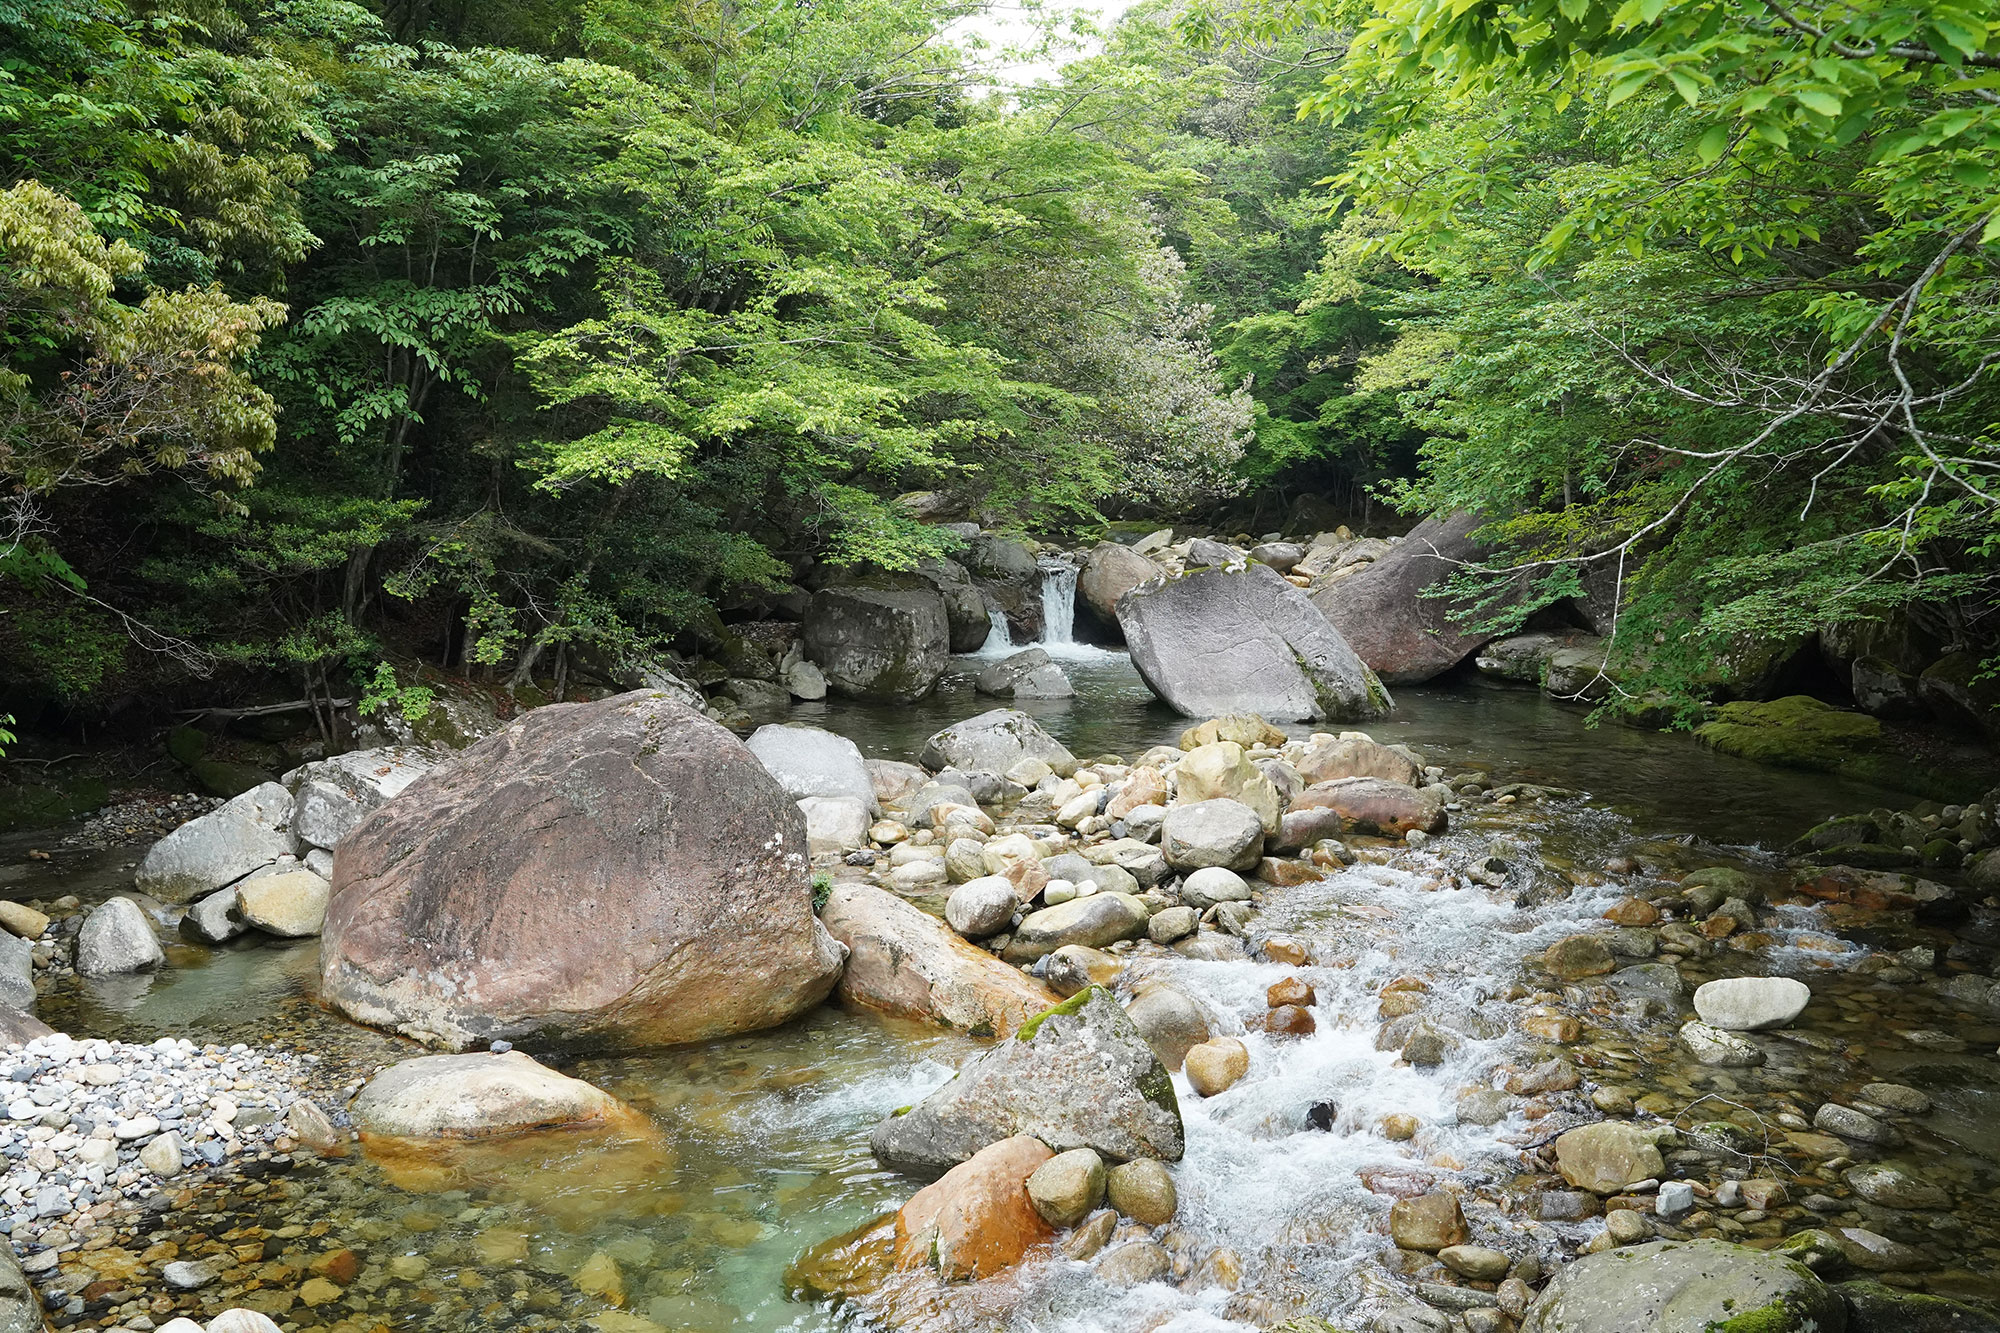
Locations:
1961 38
1627 87
1819 100
1713 143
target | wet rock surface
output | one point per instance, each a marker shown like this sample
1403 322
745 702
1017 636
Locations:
1685 1287
1080 1075
1226 640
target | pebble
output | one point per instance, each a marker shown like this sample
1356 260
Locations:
188 1275
1849 1123
1896 1097
1625 1226
145 819
104 1120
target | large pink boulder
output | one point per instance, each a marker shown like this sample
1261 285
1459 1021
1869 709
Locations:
613 875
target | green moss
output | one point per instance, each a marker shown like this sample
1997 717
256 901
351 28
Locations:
29 807
1803 733
1777 1317
1156 1085
1794 732
1074 1004
1732 882
187 745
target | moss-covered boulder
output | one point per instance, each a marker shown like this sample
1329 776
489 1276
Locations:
1794 732
1875 1308
217 776
1801 732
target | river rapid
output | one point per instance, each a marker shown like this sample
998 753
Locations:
768 1133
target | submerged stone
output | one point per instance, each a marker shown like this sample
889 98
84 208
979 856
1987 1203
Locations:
1698 1286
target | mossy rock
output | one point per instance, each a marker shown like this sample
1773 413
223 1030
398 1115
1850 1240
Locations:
1066 1008
1954 689
44 804
1844 831
1749 666
1868 856
217 777
1800 732
1875 1308
1732 882
1793 732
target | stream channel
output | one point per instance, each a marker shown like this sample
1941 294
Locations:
769 1133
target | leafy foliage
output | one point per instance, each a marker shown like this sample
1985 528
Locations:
1703 295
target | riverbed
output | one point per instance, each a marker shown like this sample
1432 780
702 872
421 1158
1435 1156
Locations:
768 1133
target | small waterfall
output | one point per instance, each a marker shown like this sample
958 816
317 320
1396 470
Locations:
998 640
1058 602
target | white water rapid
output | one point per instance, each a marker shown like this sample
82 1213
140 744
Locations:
999 642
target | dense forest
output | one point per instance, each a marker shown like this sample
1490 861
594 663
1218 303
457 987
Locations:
341 337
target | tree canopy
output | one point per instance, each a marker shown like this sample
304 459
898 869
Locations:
337 331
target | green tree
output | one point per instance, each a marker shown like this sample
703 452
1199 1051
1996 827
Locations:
1705 297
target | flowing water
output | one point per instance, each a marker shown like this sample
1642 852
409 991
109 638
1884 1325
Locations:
768 1133
1058 603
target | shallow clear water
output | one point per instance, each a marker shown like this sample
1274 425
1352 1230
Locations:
765 1137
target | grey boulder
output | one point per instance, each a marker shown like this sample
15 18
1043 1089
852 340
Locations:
1750 1004
117 938
886 644
1220 832
982 906
220 847
1028 674
1081 1075
1245 641
1093 921
17 972
1685 1287
213 920
20 1306
834 823
994 742
332 795
808 762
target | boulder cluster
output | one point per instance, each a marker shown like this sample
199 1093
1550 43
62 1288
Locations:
262 861
1005 873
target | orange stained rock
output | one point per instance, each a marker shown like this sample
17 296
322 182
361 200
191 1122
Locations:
977 1220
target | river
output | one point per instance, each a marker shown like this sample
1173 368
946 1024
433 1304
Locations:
769 1132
